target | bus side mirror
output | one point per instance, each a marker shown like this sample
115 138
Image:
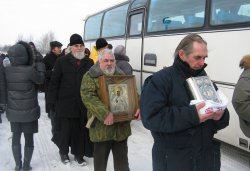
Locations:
166 21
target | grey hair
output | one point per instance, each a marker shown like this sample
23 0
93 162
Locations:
104 52
186 44
68 50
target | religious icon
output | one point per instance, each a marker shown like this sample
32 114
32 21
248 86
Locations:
202 88
118 98
119 93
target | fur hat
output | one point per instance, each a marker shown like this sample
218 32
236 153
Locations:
120 50
55 44
75 39
101 43
245 62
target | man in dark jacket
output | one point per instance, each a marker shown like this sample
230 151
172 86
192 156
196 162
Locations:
64 96
183 136
22 74
49 60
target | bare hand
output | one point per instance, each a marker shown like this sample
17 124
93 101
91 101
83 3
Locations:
209 115
203 117
138 115
218 114
109 120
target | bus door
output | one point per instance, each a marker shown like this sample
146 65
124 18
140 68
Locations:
134 43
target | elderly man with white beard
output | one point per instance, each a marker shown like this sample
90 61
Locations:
104 133
65 100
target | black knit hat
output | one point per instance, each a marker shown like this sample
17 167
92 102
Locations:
75 39
101 43
55 44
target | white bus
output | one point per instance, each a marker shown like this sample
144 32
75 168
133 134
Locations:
151 30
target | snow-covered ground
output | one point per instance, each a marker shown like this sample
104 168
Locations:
46 157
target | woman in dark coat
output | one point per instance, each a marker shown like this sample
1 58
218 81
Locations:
22 75
2 86
64 96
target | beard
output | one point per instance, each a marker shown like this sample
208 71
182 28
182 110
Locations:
109 71
78 55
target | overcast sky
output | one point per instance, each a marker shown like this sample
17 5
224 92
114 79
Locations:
34 18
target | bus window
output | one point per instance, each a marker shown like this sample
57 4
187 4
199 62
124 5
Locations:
114 22
172 14
93 27
135 24
223 12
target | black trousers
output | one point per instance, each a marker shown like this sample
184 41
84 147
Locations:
52 115
70 133
186 158
16 139
120 155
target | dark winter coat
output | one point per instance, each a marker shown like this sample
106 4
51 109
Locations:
22 77
180 141
241 97
122 62
64 88
2 84
49 60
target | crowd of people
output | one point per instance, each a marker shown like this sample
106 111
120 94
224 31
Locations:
183 136
59 74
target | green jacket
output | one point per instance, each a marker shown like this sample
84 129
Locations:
90 96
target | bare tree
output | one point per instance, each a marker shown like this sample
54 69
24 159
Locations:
30 38
26 39
5 48
43 45
19 37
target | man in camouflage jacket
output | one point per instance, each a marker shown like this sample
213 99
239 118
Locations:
105 134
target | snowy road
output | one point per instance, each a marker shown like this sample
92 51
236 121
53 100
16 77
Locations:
46 157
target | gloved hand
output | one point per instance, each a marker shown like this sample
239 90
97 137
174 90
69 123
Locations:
2 108
52 107
40 67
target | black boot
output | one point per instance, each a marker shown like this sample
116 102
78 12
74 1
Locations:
28 151
64 158
16 149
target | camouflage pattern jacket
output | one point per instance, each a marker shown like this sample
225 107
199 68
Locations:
90 96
